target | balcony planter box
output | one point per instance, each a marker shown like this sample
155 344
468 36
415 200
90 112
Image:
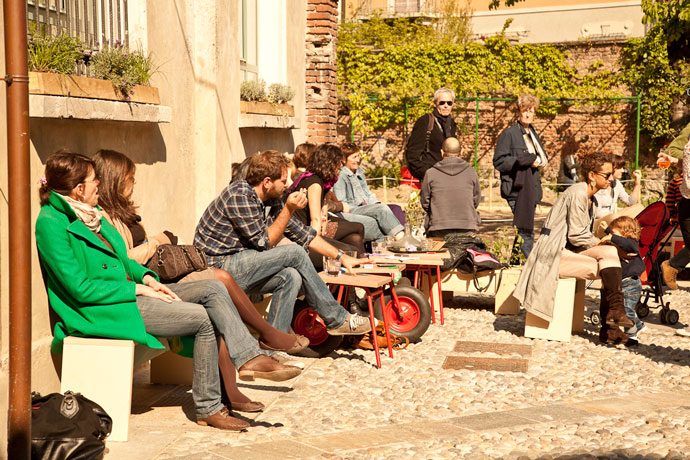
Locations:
56 84
266 108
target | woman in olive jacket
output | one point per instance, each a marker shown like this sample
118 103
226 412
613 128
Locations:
567 248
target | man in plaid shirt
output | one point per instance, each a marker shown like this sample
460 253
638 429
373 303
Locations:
240 231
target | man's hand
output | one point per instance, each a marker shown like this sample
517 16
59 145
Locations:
351 262
665 156
296 200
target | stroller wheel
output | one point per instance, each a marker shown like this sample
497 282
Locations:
672 317
662 316
642 310
595 318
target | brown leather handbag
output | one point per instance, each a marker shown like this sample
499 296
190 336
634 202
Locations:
172 262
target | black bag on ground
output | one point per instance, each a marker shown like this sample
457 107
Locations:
67 427
468 254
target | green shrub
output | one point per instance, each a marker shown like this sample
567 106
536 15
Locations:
253 90
49 53
123 67
279 93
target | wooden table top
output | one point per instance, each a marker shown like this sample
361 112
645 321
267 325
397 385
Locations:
380 268
362 280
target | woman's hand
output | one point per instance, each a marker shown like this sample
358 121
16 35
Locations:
637 176
665 156
164 290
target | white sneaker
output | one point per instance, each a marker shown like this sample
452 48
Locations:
353 325
642 328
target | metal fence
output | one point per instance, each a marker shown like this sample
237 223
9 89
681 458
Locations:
98 23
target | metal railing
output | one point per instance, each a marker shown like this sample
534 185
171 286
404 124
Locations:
98 23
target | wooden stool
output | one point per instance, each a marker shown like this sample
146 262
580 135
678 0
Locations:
102 370
568 313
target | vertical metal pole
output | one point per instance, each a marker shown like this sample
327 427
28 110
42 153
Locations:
19 193
637 135
476 133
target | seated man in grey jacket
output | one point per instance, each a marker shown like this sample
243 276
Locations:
451 193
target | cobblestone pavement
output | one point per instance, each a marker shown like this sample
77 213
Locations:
578 399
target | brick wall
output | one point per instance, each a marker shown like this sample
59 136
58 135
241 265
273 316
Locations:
574 129
321 100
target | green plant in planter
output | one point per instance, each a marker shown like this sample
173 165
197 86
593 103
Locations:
253 90
123 67
279 93
48 53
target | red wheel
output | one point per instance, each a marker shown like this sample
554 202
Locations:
411 317
308 323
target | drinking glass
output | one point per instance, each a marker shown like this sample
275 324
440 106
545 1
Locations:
331 265
663 163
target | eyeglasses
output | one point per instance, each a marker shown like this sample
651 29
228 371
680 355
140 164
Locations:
607 176
448 103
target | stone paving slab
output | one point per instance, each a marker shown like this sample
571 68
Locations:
468 346
479 363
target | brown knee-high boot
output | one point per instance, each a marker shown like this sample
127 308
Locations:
611 281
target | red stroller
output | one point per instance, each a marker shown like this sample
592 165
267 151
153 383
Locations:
657 229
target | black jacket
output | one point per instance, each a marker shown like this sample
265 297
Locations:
418 161
511 155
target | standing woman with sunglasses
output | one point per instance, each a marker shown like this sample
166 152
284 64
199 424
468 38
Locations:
567 248
519 157
423 149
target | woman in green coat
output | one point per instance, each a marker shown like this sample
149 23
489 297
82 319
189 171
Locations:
97 291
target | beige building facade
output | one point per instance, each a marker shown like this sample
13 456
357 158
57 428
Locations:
183 149
533 21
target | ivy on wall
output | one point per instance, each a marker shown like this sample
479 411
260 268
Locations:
384 67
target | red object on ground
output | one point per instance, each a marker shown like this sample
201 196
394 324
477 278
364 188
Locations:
408 179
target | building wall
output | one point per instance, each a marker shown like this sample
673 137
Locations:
182 165
534 21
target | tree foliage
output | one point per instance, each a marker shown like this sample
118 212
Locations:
385 67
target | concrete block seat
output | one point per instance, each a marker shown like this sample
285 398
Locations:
568 313
102 370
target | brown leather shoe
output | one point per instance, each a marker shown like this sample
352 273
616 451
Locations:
614 336
266 367
618 318
301 342
251 406
224 421
669 274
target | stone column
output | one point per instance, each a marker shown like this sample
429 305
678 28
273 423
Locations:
321 100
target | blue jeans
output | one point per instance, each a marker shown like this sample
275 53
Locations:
378 220
282 270
632 289
183 318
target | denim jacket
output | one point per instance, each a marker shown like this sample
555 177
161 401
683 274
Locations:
352 188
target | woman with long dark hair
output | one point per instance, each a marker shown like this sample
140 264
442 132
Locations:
116 172
322 173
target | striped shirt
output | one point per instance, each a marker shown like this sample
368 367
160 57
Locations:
237 220
673 196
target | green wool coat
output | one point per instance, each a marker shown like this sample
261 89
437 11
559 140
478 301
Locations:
91 287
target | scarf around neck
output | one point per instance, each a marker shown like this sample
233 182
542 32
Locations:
89 215
445 122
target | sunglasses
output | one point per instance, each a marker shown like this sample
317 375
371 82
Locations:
606 176
448 103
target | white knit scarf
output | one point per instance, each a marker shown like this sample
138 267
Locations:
86 213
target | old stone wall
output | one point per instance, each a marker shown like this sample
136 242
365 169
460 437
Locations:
321 101
575 129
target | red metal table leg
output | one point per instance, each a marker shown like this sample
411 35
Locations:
440 293
374 342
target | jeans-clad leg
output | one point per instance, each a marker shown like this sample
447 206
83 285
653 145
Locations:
632 289
389 224
253 269
164 319
285 287
372 231
224 316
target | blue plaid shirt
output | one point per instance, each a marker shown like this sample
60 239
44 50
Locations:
239 220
